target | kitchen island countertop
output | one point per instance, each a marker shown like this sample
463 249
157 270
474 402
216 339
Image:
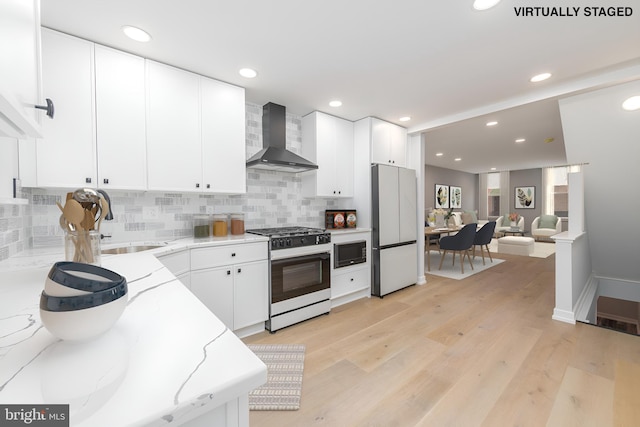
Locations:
168 359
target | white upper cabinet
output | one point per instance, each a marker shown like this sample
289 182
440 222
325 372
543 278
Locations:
66 156
388 143
328 141
223 137
121 134
123 122
173 129
195 126
20 70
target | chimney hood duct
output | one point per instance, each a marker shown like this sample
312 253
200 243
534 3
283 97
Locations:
274 155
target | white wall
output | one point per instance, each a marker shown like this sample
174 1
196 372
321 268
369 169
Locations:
599 132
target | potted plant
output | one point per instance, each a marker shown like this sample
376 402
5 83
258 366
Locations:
448 217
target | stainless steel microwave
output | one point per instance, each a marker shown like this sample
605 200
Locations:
349 253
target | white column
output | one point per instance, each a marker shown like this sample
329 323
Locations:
576 202
415 160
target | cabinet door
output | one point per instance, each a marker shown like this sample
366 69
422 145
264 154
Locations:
344 157
214 288
223 137
66 157
251 294
173 129
326 155
398 145
121 135
20 70
380 142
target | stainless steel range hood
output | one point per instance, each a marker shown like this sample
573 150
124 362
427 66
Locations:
274 155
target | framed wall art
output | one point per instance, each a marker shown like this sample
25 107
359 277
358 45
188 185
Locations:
442 196
455 197
525 197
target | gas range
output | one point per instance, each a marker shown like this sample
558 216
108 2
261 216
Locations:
293 237
300 275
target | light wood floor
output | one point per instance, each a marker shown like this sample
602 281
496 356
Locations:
476 352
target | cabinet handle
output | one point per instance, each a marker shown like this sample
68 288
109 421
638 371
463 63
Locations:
351 279
87 180
233 254
208 185
197 185
228 272
339 192
49 108
105 181
239 270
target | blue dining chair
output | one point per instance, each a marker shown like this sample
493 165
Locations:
483 238
461 242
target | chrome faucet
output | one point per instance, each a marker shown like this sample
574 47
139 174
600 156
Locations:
109 216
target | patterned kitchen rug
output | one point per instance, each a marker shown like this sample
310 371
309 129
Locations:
282 391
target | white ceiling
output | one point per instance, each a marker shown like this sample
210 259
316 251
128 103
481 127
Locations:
438 62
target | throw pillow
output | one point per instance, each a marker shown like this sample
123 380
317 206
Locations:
547 221
467 218
474 217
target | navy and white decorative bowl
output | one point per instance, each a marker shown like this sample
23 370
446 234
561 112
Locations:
88 300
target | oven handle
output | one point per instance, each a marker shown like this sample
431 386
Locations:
322 256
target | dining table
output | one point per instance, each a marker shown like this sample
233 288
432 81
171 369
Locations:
430 232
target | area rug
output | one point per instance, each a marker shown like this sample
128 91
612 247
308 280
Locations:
453 272
281 392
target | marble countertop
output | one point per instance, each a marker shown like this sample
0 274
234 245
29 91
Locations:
167 359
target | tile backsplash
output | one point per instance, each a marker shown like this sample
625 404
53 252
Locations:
272 199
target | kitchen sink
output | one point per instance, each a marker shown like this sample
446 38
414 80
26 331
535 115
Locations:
129 249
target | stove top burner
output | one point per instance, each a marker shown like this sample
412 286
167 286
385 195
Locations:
286 231
293 237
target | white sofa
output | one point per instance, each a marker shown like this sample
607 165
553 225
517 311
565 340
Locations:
545 233
503 223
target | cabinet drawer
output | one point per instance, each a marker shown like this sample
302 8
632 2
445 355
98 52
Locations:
229 254
177 263
352 281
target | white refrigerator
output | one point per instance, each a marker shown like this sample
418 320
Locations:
394 230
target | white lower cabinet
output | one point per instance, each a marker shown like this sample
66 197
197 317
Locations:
232 281
352 282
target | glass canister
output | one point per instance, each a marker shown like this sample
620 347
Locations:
82 246
237 223
220 227
201 226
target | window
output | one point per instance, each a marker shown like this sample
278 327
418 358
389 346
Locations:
493 194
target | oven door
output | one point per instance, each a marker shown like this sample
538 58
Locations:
297 276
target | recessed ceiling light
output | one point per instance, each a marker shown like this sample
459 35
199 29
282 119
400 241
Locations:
484 4
540 77
520 140
439 154
404 119
335 103
248 73
492 123
457 159
493 169
136 34
632 104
